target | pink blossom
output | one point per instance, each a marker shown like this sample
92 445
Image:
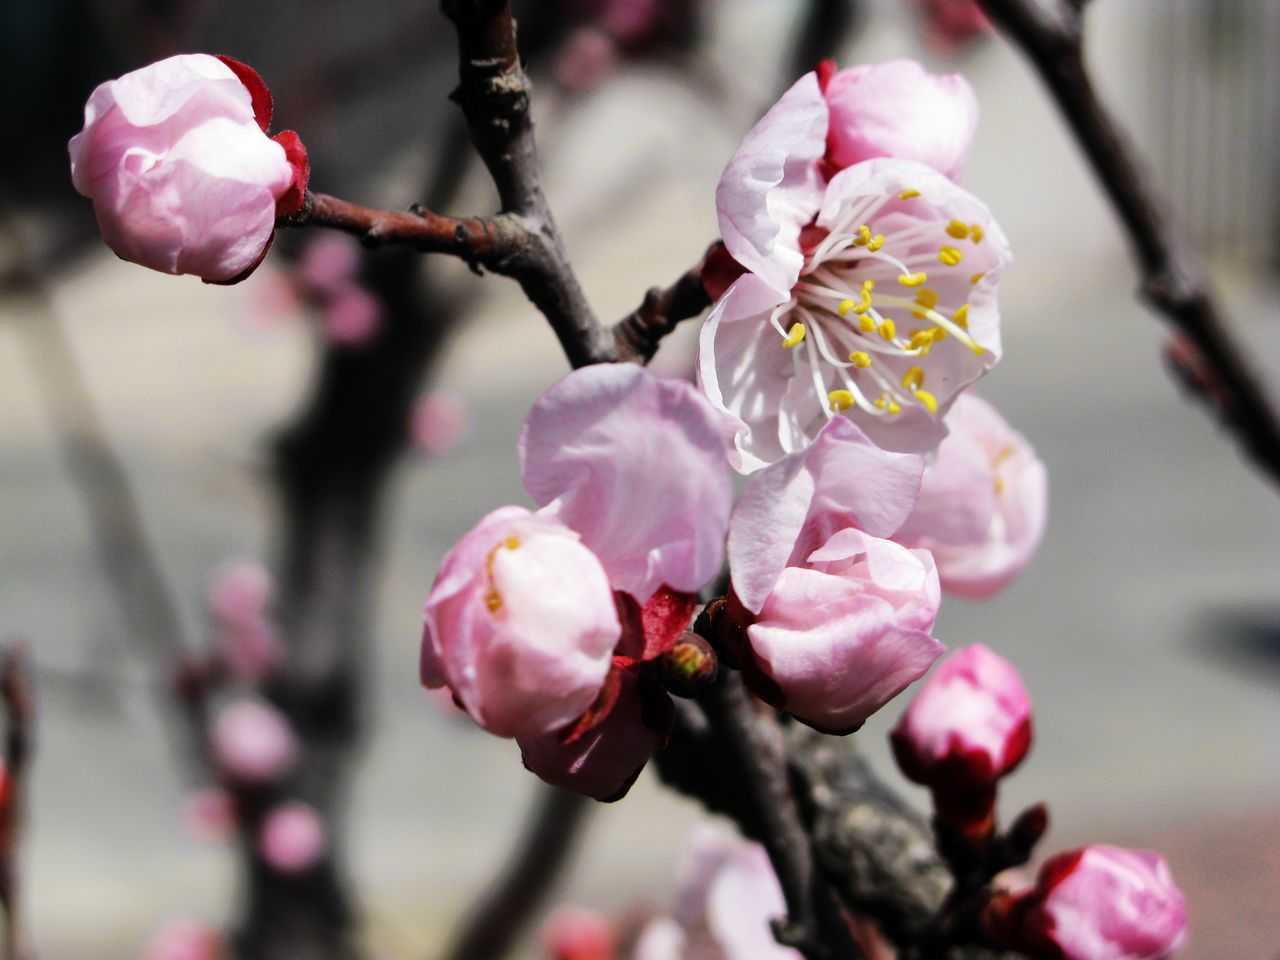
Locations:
871 296
898 109
587 58
983 503
574 933
252 741
209 814
968 726
439 423
1096 903
953 23
292 837
520 624
329 264
726 898
353 316
183 940
182 174
847 632
239 597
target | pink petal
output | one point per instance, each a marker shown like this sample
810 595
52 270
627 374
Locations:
292 837
772 187
635 465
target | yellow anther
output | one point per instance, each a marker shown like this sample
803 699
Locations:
976 233
894 407
958 229
868 284
888 330
511 542
928 298
950 256
864 305
938 334
913 379
961 317
913 279
492 601
876 242
860 360
866 324
795 336
908 194
927 400
882 402
846 305
840 399
864 236
922 340
976 278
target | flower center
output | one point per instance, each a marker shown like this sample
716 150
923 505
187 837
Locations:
877 294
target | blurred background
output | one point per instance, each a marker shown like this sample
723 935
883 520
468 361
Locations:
1148 629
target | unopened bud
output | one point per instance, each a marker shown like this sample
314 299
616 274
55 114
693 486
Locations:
689 666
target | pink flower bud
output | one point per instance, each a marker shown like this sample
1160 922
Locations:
292 837
182 174
239 595
183 940
353 316
252 741
439 423
329 264
898 109
573 933
586 60
209 814
969 725
520 624
845 633
1096 903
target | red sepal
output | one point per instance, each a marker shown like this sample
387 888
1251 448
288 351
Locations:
719 271
244 274
257 87
650 631
296 153
599 711
826 69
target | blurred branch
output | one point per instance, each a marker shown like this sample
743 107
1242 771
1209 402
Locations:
19 710
1052 37
546 845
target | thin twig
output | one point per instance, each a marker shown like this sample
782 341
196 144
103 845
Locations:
547 842
1172 280
637 335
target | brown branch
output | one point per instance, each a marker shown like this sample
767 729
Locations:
637 335
1172 281
547 842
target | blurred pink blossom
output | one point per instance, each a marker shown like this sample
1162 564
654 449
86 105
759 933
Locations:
329 263
209 814
439 423
983 504
871 296
353 316
183 940
252 741
239 599
950 24
182 174
292 837
575 933
586 59
1095 903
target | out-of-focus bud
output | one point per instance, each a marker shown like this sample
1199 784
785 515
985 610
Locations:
353 316
183 940
689 666
252 742
292 837
573 933
520 624
898 109
969 725
328 264
439 423
182 174
1095 903
586 60
239 595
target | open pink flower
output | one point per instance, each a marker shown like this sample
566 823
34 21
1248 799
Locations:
841 615
292 837
252 741
1096 903
967 727
871 296
549 644
899 109
726 898
983 503
182 174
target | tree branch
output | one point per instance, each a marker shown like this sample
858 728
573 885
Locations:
1172 282
637 335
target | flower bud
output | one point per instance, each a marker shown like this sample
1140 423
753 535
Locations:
1096 903
898 109
292 837
969 725
252 742
239 596
520 624
688 666
573 933
182 174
